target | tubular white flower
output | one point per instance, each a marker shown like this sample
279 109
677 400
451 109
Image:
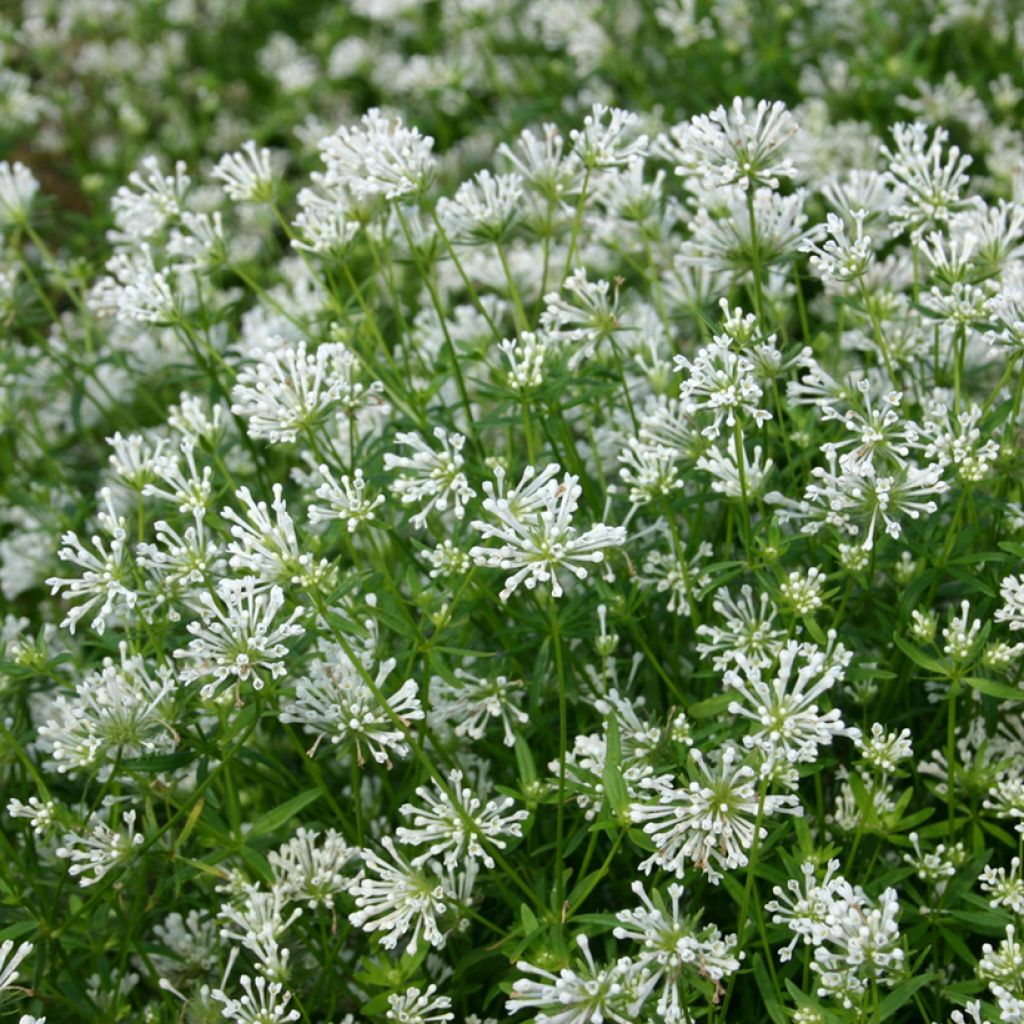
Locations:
334 702
534 526
247 176
238 635
257 921
483 209
741 144
473 701
267 546
99 848
456 834
672 944
928 179
431 476
107 577
118 711
710 823
18 187
150 201
393 896
345 500
263 1003
414 1006
784 711
1011 590
11 958
599 144
379 157
290 391
591 994
309 867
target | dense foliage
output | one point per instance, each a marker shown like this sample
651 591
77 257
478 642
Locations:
511 511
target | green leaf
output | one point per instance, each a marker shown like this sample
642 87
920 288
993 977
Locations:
614 784
158 762
863 799
710 708
919 657
817 633
15 931
772 1005
994 689
273 820
900 995
525 762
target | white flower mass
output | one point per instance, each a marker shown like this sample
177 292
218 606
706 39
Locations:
512 510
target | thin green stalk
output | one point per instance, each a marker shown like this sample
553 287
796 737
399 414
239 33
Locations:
563 743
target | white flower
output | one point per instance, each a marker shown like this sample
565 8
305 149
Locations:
592 994
483 209
334 702
238 635
672 944
199 244
650 471
929 186
742 144
472 701
734 238
747 632
99 848
855 499
722 465
681 579
535 531
136 290
107 577
263 1003
527 356
803 590
722 382
187 487
150 201
309 867
710 823
39 814
587 315
267 546
1005 888
292 391
191 941
458 833
543 163
257 921
599 144
247 176
346 500
18 186
325 224
178 564
431 476
884 750
788 723
956 440
379 157
841 258
1011 590
10 961
393 896
118 711
419 1007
